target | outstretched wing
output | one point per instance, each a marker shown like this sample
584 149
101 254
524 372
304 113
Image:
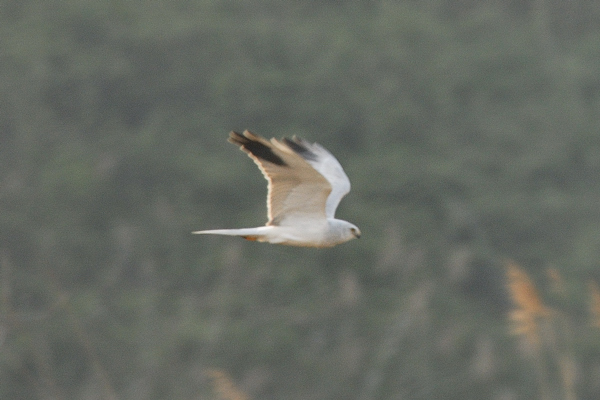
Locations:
326 164
296 188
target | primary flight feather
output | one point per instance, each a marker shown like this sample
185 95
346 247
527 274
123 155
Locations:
306 184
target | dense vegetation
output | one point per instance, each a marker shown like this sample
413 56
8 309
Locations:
470 131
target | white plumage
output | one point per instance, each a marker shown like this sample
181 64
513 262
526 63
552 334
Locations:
306 184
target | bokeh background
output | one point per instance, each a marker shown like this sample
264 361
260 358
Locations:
469 130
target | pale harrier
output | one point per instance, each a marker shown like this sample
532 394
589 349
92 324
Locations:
306 184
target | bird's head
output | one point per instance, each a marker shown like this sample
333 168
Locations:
342 231
355 231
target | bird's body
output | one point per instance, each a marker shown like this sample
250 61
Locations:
332 232
306 184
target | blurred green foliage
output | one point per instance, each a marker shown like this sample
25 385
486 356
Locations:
469 131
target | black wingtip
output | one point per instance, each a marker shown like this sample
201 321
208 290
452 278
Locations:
236 138
297 146
252 144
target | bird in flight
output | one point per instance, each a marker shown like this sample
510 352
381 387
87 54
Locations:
306 184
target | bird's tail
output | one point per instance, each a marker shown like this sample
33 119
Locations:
246 233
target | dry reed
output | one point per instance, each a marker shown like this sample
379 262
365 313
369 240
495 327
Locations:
224 385
595 304
529 307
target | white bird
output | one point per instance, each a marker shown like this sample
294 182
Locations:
306 184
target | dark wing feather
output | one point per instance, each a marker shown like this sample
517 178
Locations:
295 189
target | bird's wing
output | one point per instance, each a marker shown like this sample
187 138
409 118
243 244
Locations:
328 166
296 189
